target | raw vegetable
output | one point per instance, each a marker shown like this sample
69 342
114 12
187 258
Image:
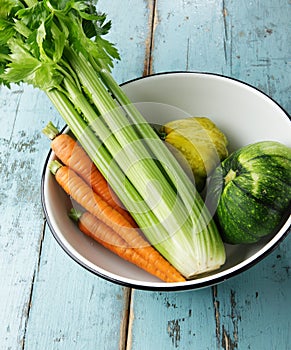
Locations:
58 47
73 155
74 186
83 194
151 261
200 142
256 191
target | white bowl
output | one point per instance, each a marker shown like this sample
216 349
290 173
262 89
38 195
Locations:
242 112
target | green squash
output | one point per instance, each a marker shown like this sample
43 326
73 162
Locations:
251 191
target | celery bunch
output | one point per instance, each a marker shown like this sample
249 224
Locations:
58 47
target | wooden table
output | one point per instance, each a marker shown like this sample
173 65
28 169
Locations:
49 302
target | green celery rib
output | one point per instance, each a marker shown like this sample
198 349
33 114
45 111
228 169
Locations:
125 148
186 188
101 157
118 121
157 149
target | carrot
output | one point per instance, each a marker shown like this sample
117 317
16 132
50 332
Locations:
72 154
79 190
103 234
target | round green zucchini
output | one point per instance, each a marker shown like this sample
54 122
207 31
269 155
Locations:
251 191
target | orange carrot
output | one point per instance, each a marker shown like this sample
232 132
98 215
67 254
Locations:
103 234
82 193
79 190
72 154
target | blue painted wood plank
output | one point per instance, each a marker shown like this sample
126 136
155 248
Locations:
189 35
257 45
71 308
250 42
131 33
254 308
250 311
183 320
21 152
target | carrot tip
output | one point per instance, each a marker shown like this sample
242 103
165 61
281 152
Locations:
54 166
75 214
50 131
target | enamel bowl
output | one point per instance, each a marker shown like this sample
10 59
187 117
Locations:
242 112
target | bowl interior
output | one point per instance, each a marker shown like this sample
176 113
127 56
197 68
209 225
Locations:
243 113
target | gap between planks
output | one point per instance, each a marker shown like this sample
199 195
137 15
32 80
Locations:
149 43
224 338
125 341
29 301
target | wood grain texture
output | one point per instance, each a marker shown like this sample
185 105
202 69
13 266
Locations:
249 41
69 303
21 153
257 45
176 321
188 36
254 307
132 34
250 311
